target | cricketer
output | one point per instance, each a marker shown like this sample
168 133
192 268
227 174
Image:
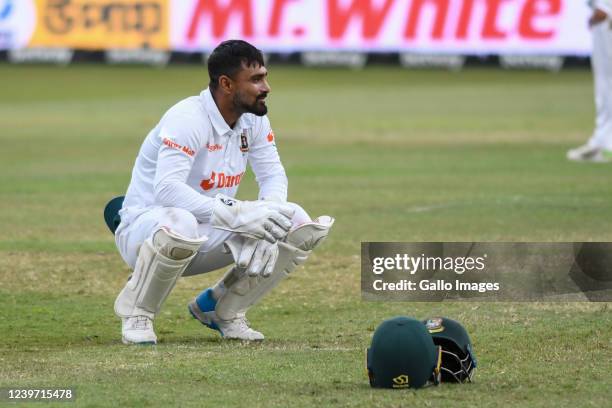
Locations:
180 218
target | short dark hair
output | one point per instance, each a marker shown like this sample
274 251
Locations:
229 57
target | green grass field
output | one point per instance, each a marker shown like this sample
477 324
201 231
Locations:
394 155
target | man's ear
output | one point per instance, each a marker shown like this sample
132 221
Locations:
226 85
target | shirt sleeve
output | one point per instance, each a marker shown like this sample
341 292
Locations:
266 164
180 142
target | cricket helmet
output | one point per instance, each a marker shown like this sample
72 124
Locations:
111 213
403 355
458 360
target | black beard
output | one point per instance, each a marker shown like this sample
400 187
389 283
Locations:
256 108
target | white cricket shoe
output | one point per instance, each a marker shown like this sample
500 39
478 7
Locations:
238 329
588 153
137 330
202 309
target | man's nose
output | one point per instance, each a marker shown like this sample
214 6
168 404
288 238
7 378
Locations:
266 87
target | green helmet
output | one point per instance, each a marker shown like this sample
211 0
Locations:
403 355
458 360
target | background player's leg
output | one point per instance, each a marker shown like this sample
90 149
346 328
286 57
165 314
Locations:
600 65
605 126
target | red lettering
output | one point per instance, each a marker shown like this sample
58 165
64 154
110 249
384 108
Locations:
278 7
372 18
221 182
534 9
170 143
173 145
489 29
416 9
213 148
188 151
219 17
464 18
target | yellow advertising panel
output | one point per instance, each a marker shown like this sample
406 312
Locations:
102 24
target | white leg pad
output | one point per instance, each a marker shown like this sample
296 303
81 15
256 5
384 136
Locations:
161 261
242 291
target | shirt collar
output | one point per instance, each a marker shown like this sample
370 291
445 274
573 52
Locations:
220 125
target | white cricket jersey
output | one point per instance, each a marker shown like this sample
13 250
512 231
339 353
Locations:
192 155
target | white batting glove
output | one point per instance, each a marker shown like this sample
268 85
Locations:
258 257
253 219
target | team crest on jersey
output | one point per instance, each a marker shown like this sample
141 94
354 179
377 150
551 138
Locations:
244 142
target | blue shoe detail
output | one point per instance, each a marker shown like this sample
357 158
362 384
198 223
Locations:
204 303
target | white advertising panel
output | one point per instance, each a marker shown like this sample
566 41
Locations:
17 23
432 26
472 27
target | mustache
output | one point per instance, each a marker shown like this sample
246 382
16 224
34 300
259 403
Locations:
262 96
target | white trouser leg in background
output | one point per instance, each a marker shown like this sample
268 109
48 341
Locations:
601 62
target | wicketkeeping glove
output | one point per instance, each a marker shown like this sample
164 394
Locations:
254 219
258 257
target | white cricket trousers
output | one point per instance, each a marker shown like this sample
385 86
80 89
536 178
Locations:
601 63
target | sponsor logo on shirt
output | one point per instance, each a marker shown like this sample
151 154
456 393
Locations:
271 137
214 147
221 180
173 145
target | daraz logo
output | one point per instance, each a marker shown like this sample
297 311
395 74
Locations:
221 180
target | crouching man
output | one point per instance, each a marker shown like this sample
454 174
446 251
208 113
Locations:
180 217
